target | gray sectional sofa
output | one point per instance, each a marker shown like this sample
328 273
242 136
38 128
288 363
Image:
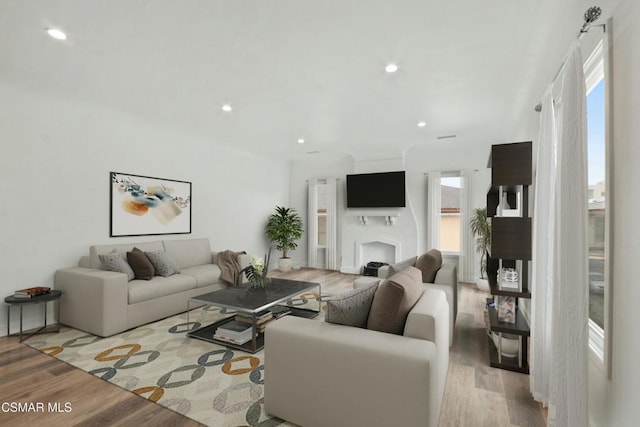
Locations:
105 303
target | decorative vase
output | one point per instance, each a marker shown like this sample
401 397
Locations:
284 264
258 282
483 285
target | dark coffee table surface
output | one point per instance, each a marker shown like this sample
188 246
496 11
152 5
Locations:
245 298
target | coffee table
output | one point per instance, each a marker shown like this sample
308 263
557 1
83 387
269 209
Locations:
251 301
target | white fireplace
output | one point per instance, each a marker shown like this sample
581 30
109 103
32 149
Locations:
382 249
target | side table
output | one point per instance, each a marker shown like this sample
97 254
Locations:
44 299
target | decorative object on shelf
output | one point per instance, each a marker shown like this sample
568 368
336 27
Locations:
509 346
256 272
284 227
508 279
31 292
143 205
506 309
481 229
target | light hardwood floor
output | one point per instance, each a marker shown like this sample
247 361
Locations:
475 395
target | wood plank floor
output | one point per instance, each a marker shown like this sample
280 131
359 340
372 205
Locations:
475 394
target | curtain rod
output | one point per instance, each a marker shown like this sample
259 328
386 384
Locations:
590 16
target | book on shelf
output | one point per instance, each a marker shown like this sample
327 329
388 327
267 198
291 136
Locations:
236 330
231 339
280 311
260 318
31 292
260 328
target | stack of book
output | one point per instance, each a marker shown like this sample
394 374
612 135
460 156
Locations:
31 292
234 332
262 319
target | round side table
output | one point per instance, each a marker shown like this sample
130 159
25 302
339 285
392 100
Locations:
43 299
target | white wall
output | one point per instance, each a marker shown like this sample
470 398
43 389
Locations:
310 167
410 226
448 155
54 174
615 402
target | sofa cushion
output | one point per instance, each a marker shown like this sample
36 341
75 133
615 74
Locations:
123 248
205 275
351 308
140 264
117 262
429 264
145 290
393 300
188 253
162 262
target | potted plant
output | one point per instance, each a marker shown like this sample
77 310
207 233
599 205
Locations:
481 230
284 227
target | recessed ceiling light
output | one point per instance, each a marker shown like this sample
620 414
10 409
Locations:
422 124
56 34
391 68
300 141
226 107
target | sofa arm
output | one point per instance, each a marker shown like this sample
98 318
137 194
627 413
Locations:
93 300
384 272
448 276
387 270
244 260
357 373
429 320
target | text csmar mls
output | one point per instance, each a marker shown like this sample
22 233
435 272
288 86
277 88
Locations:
60 407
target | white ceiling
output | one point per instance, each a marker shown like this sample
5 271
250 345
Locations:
299 68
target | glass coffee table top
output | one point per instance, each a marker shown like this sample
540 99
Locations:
244 299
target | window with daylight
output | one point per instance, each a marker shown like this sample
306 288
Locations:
597 199
450 219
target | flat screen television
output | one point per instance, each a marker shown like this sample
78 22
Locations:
376 190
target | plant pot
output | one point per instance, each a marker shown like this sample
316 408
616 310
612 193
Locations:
483 285
510 344
284 264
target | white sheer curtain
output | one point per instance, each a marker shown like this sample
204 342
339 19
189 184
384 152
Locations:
332 199
433 210
560 296
543 252
322 201
466 240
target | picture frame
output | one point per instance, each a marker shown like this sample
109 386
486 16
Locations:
142 205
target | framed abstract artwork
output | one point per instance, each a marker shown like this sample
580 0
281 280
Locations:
144 205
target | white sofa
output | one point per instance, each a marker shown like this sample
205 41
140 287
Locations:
324 374
446 279
105 303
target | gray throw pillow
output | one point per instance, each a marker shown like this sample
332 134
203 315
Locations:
351 308
393 301
140 264
117 262
399 266
163 263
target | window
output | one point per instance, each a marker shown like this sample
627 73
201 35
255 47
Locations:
597 182
450 193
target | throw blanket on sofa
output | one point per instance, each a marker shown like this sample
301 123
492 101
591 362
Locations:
230 267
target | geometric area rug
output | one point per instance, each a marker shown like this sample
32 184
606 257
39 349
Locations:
209 383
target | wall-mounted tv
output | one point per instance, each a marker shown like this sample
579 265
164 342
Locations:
376 190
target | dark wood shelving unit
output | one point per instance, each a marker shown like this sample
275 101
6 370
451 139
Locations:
511 176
